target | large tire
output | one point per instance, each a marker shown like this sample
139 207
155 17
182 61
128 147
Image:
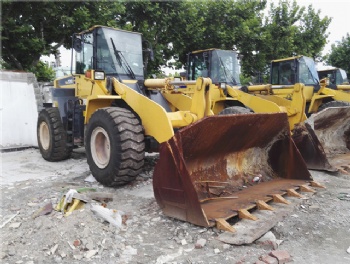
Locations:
234 110
333 104
115 146
51 135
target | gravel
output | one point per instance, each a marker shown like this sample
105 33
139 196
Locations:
317 231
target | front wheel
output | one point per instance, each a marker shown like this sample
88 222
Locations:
115 147
234 110
51 135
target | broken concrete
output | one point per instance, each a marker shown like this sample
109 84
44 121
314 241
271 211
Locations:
147 235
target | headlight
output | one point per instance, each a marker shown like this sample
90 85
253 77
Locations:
223 86
99 75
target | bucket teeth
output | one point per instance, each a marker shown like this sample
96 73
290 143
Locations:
305 188
244 214
316 184
294 193
223 225
277 198
264 206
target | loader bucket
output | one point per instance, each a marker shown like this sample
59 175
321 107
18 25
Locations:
221 166
310 148
332 127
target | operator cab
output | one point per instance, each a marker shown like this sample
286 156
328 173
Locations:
117 52
221 66
336 76
294 70
111 52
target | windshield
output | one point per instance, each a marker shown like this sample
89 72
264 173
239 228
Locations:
307 71
283 72
119 52
344 77
224 67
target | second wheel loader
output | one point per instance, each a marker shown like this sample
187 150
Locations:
222 67
208 164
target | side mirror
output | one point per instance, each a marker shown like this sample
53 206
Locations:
77 44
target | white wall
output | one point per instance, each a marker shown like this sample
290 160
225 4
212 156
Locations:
18 110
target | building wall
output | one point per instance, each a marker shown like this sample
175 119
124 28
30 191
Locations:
19 92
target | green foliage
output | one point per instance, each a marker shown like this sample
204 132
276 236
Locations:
173 28
288 30
246 80
215 24
311 36
43 72
340 54
4 65
32 29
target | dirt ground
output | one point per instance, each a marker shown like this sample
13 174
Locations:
316 231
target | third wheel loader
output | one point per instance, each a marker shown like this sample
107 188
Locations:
327 106
208 163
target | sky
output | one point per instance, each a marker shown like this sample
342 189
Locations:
338 10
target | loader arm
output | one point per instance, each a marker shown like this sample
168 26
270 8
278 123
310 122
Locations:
274 104
338 95
343 87
325 92
156 121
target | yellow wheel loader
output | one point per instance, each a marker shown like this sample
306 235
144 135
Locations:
328 107
338 78
211 167
222 67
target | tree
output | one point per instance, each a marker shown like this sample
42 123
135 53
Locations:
43 72
33 29
311 36
155 20
288 30
173 28
216 24
340 54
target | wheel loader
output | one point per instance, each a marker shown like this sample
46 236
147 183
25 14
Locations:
328 107
336 76
338 81
211 167
222 67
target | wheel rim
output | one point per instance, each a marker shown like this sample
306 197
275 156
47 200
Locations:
44 135
100 147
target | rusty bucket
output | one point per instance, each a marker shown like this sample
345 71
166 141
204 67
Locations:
311 148
332 127
221 166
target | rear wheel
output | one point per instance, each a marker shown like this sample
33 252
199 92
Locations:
115 147
233 110
333 104
51 135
